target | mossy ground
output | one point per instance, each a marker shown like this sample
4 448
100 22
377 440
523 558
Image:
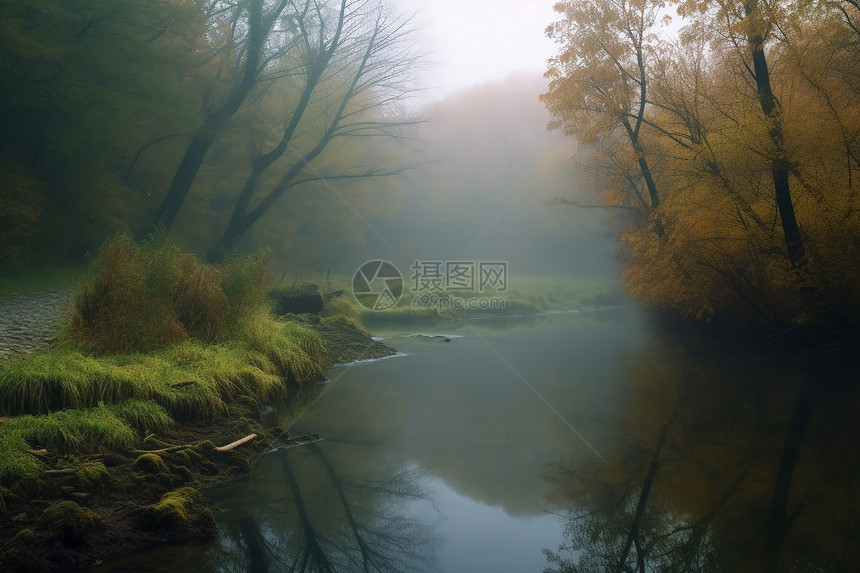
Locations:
95 504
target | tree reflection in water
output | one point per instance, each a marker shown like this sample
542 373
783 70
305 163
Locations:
727 461
328 522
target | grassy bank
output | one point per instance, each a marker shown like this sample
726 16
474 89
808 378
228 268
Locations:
525 295
160 366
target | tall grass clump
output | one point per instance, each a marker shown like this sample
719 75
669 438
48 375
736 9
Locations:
58 379
295 351
143 296
145 416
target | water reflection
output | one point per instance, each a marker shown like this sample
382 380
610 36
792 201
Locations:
323 519
729 460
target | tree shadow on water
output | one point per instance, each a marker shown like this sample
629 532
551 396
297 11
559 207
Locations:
727 461
330 522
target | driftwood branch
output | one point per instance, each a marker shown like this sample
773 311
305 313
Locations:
237 443
225 448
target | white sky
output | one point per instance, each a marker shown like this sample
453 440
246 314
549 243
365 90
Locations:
474 41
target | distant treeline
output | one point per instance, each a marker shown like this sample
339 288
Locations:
199 115
733 151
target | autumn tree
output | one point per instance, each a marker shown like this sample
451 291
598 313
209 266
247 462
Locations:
750 113
599 81
747 27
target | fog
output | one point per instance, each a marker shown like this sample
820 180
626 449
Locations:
483 183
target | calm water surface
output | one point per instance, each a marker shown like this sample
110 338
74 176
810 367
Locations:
590 435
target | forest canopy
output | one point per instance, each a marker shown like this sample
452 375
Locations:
731 154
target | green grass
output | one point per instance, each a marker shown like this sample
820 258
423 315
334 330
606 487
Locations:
145 416
190 380
151 322
526 294
154 337
64 432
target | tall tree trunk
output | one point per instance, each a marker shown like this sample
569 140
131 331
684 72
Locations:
633 131
185 175
649 181
780 164
241 218
258 31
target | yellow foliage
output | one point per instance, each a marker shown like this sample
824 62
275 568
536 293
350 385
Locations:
716 245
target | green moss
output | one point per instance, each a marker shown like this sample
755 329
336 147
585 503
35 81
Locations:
68 521
151 464
188 457
244 406
205 447
94 476
183 512
20 554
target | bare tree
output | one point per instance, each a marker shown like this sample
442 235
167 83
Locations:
248 32
354 63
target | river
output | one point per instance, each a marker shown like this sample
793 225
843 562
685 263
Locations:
486 445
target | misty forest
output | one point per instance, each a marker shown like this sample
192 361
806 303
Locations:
271 301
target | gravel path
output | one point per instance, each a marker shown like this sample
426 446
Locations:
29 322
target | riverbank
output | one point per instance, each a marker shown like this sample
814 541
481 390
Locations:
92 484
153 387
